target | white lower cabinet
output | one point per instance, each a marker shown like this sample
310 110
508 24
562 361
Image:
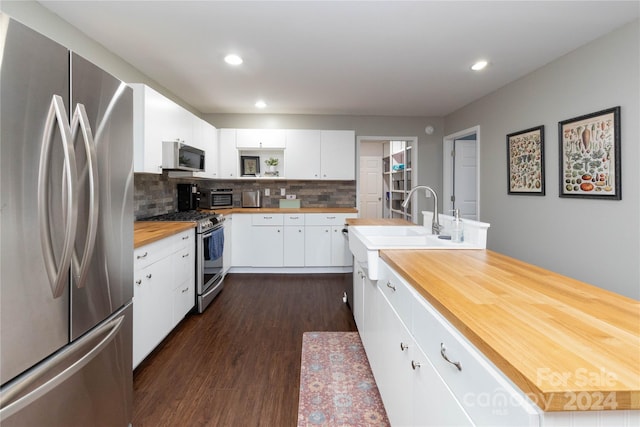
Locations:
163 292
357 305
241 252
408 343
228 244
433 404
286 240
294 237
183 276
325 244
267 235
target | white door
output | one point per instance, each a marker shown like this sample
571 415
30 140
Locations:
464 178
370 187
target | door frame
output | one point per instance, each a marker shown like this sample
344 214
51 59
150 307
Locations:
381 140
447 164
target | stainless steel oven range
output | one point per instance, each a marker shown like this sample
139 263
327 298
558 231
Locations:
209 248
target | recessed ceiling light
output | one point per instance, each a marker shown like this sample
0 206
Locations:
233 59
261 104
480 65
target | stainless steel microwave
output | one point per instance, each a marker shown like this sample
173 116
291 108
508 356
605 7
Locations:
180 156
217 199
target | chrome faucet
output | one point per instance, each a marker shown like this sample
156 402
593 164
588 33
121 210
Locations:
436 228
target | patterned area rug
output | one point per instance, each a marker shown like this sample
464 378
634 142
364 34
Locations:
336 384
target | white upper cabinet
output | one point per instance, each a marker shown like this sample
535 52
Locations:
338 155
227 154
156 119
206 138
260 138
302 156
320 154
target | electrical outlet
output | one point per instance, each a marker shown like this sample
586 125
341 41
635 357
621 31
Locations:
283 191
267 192
291 196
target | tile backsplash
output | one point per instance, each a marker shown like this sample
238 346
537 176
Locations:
157 194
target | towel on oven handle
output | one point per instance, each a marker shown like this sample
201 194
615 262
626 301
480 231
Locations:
216 244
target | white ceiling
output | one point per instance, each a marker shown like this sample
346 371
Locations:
389 58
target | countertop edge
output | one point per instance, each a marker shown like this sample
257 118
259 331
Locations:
161 230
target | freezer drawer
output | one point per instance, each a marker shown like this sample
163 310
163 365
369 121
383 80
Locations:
87 383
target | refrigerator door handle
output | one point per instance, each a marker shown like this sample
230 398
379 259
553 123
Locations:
81 121
57 272
17 395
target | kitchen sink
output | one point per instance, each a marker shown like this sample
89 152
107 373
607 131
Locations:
366 241
403 237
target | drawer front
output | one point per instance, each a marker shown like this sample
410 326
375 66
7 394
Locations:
148 254
327 218
185 265
486 395
185 240
294 219
397 292
267 219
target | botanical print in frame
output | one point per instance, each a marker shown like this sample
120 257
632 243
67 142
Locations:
525 159
590 155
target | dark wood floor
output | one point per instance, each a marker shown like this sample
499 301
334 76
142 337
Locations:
238 364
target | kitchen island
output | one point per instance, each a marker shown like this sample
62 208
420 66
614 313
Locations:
553 336
491 340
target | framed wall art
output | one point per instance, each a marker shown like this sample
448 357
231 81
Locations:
590 156
250 165
525 161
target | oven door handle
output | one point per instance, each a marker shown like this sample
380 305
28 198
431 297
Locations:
209 233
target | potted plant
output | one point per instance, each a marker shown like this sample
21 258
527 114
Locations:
271 163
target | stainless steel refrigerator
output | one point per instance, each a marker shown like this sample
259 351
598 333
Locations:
66 236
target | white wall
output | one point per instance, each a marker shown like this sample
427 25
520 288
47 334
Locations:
594 241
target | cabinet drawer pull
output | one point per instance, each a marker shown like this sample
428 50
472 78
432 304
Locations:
185 290
139 282
331 217
144 255
390 286
443 353
149 276
294 217
185 237
267 217
415 365
403 346
185 255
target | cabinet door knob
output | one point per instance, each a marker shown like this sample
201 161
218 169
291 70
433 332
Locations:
403 346
185 255
149 276
185 237
390 286
139 282
443 353
185 290
415 365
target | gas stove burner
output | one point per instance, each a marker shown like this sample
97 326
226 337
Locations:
205 220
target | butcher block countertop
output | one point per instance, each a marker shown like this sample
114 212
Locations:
563 342
145 232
